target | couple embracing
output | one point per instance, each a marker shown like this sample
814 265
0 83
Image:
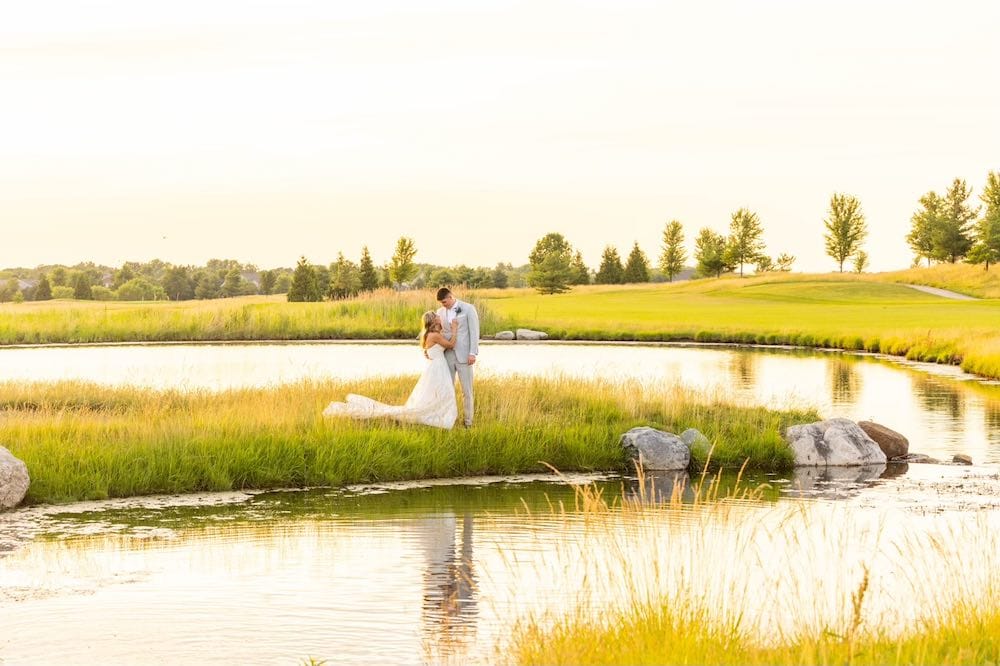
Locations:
449 338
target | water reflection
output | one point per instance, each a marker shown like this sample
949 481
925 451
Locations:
743 368
449 609
845 382
836 482
939 397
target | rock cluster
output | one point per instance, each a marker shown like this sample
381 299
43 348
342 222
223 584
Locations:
14 480
521 334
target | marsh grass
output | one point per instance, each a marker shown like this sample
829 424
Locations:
84 441
725 580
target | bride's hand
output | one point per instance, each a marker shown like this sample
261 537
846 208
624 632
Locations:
454 325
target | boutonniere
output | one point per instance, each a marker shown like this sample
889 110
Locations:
458 310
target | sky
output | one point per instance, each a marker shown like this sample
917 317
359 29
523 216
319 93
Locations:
188 130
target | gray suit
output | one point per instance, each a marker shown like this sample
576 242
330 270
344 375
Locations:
466 343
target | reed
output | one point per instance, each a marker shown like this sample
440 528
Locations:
83 441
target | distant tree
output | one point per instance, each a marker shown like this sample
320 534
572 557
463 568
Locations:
784 262
62 292
500 279
710 253
323 277
177 284
81 288
924 225
59 278
845 228
611 270
953 240
551 264
345 279
763 264
402 268
232 285
672 254
283 283
443 277
102 293
637 266
304 286
43 292
268 279
367 275
581 274
208 285
481 278
860 261
986 249
124 274
140 289
745 241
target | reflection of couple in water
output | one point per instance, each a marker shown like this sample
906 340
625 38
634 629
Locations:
450 342
449 606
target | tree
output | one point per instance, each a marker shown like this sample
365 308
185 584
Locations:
763 264
367 276
268 280
845 228
784 262
952 240
177 284
581 274
81 288
139 289
322 274
860 261
924 225
207 285
551 264
637 266
232 285
986 249
402 268
745 243
124 274
345 280
673 255
500 279
710 253
304 286
43 292
611 270
59 277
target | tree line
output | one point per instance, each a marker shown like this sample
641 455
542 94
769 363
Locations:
949 228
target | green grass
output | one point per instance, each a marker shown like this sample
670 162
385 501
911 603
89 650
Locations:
83 441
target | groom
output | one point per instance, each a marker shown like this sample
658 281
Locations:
463 356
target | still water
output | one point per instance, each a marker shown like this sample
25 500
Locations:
942 410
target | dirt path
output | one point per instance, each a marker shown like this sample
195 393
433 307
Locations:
944 293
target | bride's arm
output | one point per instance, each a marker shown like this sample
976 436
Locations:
437 338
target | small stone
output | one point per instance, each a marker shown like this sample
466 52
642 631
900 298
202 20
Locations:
528 334
504 335
694 439
962 459
916 458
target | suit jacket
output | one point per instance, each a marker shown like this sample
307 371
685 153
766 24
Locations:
467 341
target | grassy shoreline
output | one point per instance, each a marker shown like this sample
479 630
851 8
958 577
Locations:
82 441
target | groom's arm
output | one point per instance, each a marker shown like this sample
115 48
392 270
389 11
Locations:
473 331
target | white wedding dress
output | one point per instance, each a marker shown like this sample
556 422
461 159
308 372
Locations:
432 401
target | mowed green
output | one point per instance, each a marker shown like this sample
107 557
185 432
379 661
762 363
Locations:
845 312
83 441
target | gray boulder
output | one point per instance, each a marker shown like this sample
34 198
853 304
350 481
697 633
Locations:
695 440
892 443
14 480
655 449
504 335
833 443
528 334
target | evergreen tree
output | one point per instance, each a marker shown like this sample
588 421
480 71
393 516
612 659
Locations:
367 276
764 264
924 225
345 279
745 241
952 241
673 255
551 264
611 270
81 288
784 262
402 268
207 286
845 228
637 266
986 249
59 277
232 285
268 280
581 274
304 286
500 279
43 292
710 253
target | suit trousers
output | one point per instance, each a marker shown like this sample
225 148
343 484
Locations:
464 372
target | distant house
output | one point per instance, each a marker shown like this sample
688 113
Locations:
253 277
108 280
24 285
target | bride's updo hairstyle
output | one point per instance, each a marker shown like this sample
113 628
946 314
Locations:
428 325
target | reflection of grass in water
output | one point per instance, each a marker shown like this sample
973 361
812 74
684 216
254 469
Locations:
724 582
82 441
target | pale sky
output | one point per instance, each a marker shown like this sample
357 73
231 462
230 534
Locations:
186 130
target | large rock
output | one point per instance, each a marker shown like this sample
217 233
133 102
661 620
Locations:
14 480
833 443
655 449
504 335
528 334
892 443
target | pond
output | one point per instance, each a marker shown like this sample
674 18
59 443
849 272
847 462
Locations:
942 410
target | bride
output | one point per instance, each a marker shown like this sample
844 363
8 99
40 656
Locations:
432 401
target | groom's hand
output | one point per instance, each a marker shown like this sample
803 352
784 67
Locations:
472 359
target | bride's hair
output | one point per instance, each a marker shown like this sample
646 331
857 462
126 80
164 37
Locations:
429 325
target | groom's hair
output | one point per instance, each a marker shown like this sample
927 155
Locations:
443 293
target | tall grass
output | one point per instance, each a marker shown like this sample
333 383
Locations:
726 581
83 441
